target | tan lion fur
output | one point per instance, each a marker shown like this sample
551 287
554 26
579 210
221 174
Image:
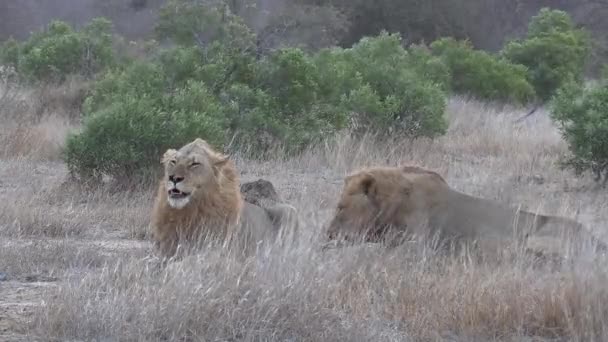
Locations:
216 200
399 200
214 208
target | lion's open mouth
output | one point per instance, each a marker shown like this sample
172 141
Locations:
177 194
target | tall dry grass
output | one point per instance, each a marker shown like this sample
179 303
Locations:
353 294
34 122
360 293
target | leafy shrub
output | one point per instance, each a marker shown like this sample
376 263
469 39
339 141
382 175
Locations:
582 115
138 79
198 91
60 51
286 106
554 51
429 67
384 86
133 121
481 74
215 46
9 53
192 23
221 88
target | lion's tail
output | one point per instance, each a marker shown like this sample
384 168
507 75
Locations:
573 229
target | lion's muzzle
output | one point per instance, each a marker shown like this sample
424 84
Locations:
176 197
175 193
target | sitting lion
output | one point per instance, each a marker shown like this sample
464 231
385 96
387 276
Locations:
390 202
199 198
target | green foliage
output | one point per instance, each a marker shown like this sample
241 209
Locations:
196 23
604 73
273 100
286 106
138 79
59 51
9 53
385 87
582 115
132 121
429 67
481 74
215 46
217 67
217 88
290 76
554 51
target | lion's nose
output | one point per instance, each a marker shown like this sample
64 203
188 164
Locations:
175 180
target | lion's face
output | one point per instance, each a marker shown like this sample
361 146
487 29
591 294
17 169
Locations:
376 201
188 171
354 214
365 205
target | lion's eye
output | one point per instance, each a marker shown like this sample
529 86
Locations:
195 164
173 162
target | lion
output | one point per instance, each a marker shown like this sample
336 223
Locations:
386 204
199 198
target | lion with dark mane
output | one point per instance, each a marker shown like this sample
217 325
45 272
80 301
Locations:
199 198
388 203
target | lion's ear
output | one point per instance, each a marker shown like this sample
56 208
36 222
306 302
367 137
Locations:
169 154
220 161
348 178
368 184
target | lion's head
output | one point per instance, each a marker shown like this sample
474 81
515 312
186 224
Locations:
199 192
189 171
375 200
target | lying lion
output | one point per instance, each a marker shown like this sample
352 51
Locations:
391 202
199 198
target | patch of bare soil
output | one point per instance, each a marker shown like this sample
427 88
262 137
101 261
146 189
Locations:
20 299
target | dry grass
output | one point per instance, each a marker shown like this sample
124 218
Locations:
35 122
108 291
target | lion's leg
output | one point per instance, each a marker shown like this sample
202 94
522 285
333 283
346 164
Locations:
166 244
284 218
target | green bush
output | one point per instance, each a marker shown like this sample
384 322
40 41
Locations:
287 104
60 51
429 67
133 120
9 53
481 74
385 87
582 115
604 72
192 23
215 46
265 102
221 89
554 51
138 79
